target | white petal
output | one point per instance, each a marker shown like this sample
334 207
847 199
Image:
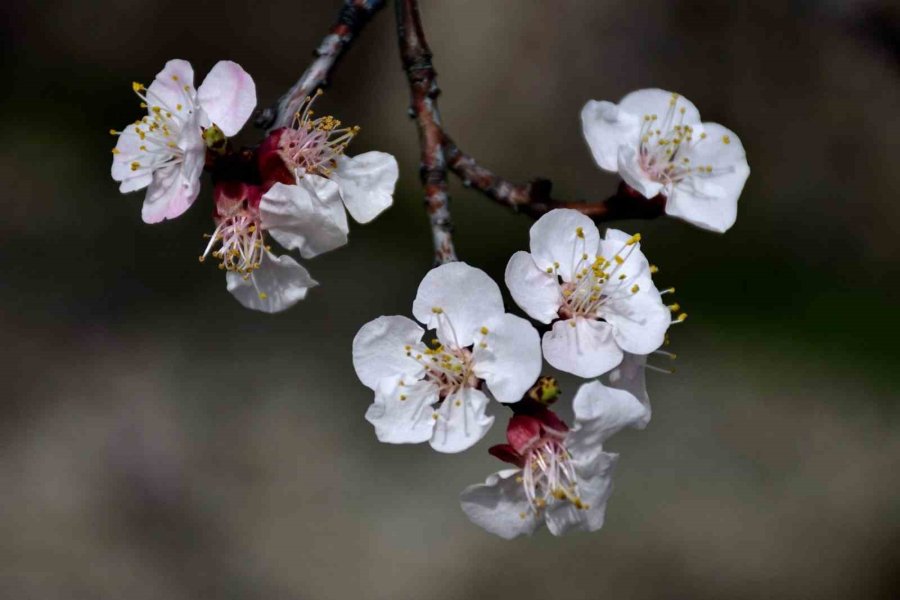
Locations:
169 194
534 290
587 349
601 411
630 170
403 414
555 240
367 183
640 319
499 506
631 376
510 359
461 421
379 350
710 200
658 102
457 300
227 96
307 216
128 151
276 285
168 89
634 264
606 127
594 489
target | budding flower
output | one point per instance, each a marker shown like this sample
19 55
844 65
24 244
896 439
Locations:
655 141
165 150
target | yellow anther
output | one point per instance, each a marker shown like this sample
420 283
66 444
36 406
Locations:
402 397
681 317
135 166
484 331
675 307
635 289
437 310
579 232
726 139
263 295
434 416
633 240
113 132
174 77
619 260
555 265
137 87
115 151
654 269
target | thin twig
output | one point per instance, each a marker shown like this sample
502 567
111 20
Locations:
534 200
353 17
416 57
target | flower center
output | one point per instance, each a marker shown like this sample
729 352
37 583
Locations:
240 242
450 369
313 145
663 146
549 476
595 281
160 128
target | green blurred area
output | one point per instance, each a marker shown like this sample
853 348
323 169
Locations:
160 441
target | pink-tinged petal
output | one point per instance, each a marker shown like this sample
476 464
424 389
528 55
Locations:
307 216
169 195
595 486
228 96
173 85
640 319
606 127
630 170
457 300
533 289
402 414
631 376
367 183
561 239
128 151
500 506
507 356
709 200
583 347
600 412
380 350
460 421
278 284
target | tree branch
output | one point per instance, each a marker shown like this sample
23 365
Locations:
534 200
353 17
423 88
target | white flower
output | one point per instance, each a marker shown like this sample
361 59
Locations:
165 151
564 478
631 376
655 141
598 291
314 149
303 217
435 391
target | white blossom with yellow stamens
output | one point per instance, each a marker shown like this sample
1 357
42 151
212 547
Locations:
165 150
655 141
436 391
598 293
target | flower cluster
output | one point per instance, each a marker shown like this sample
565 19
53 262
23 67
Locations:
295 188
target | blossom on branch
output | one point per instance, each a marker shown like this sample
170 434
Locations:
298 217
313 149
598 293
437 390
165 150
563 478
655 141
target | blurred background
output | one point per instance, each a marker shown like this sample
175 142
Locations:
159 441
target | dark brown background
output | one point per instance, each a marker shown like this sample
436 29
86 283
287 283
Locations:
158 441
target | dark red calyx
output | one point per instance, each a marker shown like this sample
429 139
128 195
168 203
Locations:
272 168
231 197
